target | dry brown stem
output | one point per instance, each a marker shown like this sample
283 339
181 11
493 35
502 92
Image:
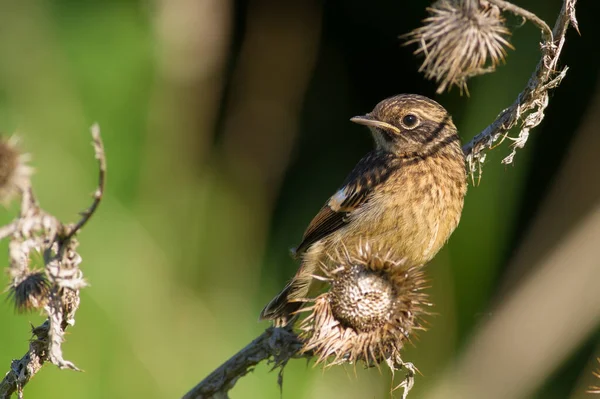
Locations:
275 345
531 103
35 230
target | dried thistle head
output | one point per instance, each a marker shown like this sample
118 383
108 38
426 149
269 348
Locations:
372 307
30 292
14 171
460 39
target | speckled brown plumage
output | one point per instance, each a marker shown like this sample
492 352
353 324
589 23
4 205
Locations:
406 195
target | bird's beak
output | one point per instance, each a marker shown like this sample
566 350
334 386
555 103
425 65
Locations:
368 120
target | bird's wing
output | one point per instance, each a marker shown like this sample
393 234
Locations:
370 172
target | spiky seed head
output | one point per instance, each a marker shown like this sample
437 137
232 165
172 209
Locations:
372 307
460 39
14 171
30 292
595 389
361 298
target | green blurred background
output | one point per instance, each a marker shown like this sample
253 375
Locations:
226 127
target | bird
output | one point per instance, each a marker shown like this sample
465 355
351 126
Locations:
405 196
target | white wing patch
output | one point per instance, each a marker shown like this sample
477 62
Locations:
335 202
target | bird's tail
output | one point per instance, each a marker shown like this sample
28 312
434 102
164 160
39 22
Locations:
281 310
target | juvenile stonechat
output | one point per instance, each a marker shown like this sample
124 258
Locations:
404 196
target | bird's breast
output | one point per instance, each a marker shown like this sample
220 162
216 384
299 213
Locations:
415 211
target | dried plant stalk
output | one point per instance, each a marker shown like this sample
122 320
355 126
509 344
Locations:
531 103
55 288
465 38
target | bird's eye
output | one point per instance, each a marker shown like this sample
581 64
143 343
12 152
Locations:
410 120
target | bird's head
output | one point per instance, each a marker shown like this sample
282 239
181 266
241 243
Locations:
410 124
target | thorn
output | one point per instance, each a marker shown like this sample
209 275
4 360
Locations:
572 17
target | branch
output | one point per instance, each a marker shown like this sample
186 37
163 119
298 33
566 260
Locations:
276 345
101 157
532 101
525 14
7 230
22 370
55 288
